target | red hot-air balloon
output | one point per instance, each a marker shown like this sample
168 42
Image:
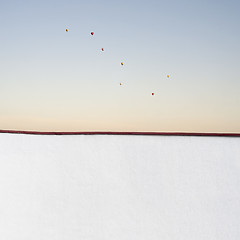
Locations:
102 49
153 94
92 33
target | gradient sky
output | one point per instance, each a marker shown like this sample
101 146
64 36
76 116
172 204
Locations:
51 80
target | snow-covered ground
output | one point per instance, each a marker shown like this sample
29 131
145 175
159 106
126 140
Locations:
106 187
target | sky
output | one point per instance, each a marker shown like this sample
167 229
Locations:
53 80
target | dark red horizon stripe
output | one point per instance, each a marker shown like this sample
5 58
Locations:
124 133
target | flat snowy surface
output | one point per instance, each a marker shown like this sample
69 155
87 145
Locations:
108 187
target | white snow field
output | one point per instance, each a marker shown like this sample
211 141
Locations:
111 187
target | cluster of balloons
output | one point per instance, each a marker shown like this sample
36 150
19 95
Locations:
122 63
168 76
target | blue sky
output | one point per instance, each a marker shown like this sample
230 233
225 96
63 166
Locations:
53 80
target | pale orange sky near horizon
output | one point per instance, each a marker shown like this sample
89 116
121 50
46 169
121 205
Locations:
52 80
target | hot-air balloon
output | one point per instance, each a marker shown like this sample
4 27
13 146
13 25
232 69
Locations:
122 63
92 33
120 84
153 94
102 49
168 76
67 30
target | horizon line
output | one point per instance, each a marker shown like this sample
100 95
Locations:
207 134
